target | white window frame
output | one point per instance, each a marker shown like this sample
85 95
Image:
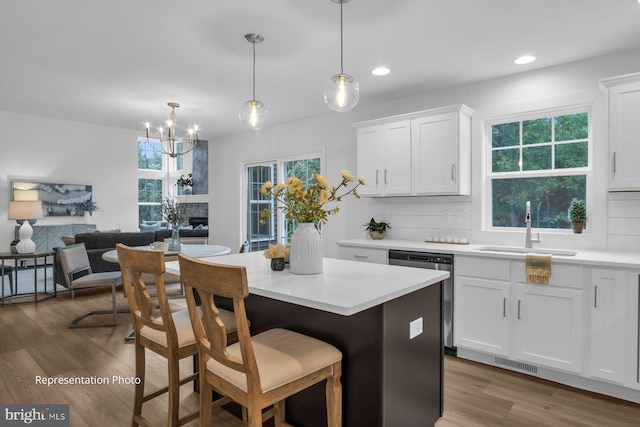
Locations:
488 175
279 162
169 173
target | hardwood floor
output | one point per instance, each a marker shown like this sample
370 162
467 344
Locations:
34 340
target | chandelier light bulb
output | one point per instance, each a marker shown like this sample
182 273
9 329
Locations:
253 115
341 92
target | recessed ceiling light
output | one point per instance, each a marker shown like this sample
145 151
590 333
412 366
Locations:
525 59
383 71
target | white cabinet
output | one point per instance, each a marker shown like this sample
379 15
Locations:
497 313
441 153
548 326
481 296
354 253
624 132
422 153
481 316
384 153
607 318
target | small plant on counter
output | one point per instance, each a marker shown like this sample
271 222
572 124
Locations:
377 230
577 214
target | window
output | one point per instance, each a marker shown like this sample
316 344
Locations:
276 229
542 158
155 178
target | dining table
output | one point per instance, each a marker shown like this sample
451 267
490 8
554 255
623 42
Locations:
194 250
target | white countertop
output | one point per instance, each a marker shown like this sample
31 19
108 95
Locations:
584 257
345 287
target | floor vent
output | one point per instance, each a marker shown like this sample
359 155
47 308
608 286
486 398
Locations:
532 369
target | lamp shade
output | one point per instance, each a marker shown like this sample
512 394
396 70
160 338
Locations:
25 210
25 195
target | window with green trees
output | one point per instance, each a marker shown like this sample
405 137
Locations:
542 159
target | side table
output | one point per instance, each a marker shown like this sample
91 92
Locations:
18 298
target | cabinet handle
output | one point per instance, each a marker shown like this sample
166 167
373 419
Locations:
614 162
385 176
360 256
377 176
595 297
519 301
638 337
504 307
453 172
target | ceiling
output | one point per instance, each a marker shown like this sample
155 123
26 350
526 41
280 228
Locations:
118 62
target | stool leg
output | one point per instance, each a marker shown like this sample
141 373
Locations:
139 388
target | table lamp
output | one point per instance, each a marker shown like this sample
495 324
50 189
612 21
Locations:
25 210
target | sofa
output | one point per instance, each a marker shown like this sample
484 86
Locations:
97 243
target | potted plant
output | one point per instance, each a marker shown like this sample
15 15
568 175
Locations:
577 214
377 230
89 206
185 184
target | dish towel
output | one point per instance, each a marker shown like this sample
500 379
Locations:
538 269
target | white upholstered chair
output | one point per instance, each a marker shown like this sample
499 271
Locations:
78 275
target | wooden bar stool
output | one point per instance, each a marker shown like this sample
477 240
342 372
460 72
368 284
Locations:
169 335
256 372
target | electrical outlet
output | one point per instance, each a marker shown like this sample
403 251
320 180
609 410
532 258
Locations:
415 328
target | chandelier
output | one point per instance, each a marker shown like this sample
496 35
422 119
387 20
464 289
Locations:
342 91
170 144
253 113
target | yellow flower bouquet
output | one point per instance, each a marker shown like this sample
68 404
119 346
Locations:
277 251
308 204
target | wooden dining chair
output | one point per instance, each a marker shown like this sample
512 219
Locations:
169 335
256 372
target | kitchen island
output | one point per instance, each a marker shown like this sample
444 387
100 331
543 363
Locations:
369 313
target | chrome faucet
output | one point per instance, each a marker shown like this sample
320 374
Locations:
528 241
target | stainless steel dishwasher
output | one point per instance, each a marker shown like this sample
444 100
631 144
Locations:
433 261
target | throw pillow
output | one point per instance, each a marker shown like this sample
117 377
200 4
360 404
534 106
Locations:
68 241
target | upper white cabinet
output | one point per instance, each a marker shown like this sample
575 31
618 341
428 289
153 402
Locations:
383 155
624 132
441 153
422 153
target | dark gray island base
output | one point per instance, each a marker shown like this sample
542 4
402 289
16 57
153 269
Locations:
388 379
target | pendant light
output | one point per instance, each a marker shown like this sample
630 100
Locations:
341 92
252 114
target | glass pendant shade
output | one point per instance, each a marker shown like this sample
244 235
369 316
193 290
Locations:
253 115
341 92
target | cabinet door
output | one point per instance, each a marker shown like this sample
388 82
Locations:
549 326
607 311
624 137
436 155
369 163
482 315
396 158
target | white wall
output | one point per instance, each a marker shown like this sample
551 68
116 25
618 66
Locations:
416 218
64 152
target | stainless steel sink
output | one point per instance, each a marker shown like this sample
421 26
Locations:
520 250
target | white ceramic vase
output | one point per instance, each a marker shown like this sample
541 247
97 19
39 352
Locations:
306 250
